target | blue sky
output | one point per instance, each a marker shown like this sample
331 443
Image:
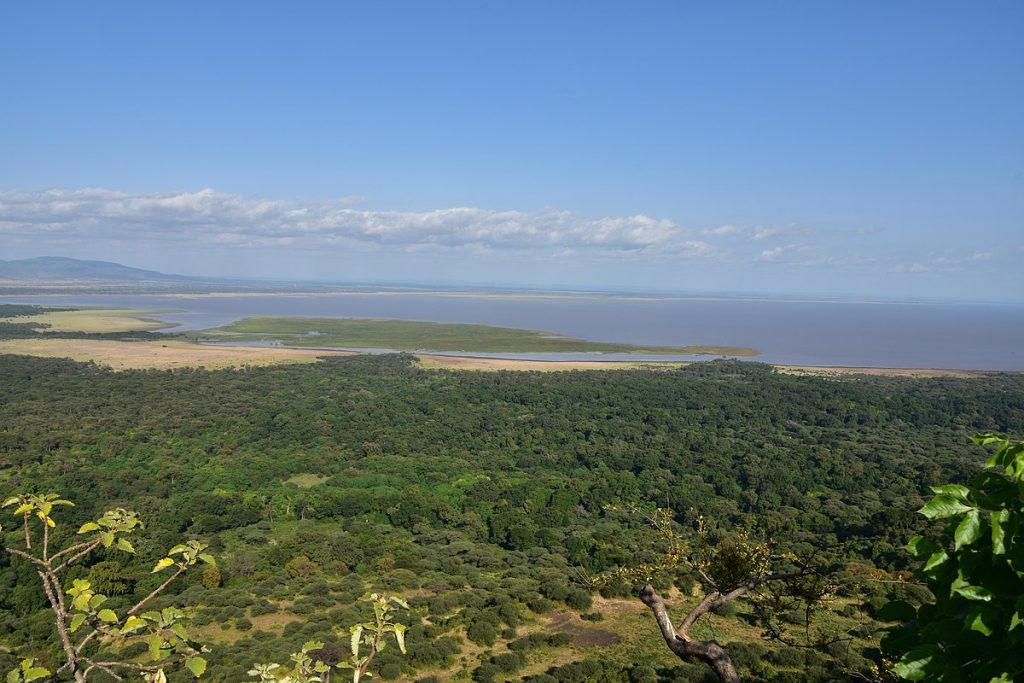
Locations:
871 148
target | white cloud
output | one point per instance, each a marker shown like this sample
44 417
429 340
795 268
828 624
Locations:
722 230
776 253
230 219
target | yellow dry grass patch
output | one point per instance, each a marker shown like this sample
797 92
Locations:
122 355
95 320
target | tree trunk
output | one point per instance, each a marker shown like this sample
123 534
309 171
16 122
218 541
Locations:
685 647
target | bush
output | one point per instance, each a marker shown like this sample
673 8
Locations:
486 673
509 662
482 632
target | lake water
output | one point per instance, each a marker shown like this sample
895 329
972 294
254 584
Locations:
910 335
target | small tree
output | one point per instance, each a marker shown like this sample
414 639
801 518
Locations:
366 640
81 620
732 569
974 630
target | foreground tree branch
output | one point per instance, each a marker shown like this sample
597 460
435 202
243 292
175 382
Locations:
682 644
732 568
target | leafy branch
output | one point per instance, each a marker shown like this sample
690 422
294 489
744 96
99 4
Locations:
79 612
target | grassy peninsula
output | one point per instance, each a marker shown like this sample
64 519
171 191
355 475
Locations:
410 335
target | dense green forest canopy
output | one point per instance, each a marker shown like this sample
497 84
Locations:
481 495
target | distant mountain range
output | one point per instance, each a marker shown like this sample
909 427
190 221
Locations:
61 269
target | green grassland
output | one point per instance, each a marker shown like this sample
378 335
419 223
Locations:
408 335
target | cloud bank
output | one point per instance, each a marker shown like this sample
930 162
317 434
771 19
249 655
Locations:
219 218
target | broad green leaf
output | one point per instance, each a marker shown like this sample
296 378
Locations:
999 520
107 616
35 673
357 634
156 642
921 547
988 437
1018 615
935 560
969 530
913 665
124 545
973 592
179 630
943 506
77 621
87 527
97 600
400 636
107 538
957 491
197 665
208 559
982 620
132 623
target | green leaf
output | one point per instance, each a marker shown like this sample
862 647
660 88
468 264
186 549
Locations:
132 623
1018 615
97 600
107 616
179 630
400 636
208 559
999 519
77 621
921 547
935 560
156 642
913 666
956 491
35 673
107 538
972 592
197 665
87 527
943 506
982 620
969 530
987 438
124 545
357 634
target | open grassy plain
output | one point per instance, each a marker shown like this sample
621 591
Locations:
411 335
